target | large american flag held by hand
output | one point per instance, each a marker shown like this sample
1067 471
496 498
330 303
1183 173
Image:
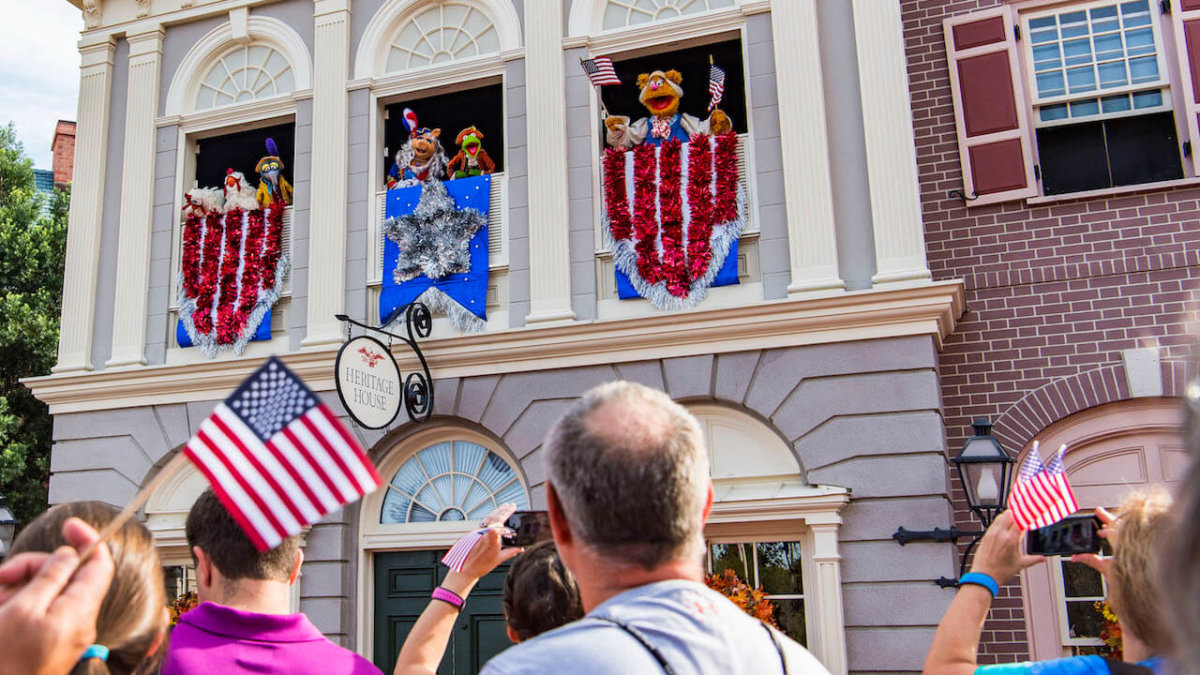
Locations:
278 458
600 71
1042 494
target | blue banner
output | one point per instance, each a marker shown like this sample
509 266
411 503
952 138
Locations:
262 333
726 277
468 289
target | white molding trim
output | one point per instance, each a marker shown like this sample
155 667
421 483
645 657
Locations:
253 112
185 85
931 310
659 33
371 57
587 17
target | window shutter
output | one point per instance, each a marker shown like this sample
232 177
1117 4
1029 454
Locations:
1186 22
989 107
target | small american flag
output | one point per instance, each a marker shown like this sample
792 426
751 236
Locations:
1042 494
600 71
457 555
278 458
716 86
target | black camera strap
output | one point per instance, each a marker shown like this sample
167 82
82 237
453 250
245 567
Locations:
662 660
1121 668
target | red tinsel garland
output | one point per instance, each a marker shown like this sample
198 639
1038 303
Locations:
273 248
615 200
193 229
209 265
700 202
228 325
252 264
725 171
671 219
712 192
645 224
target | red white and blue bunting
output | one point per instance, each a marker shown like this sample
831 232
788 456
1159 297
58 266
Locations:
231 275
672 214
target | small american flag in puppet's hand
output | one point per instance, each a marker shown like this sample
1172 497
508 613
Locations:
278 458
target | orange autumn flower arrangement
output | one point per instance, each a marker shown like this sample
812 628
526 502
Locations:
753 601
181 605
1110 631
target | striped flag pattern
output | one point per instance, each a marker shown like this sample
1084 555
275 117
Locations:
716 86
600 71
278 458
1042 494
457 555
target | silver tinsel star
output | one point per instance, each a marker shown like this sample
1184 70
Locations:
435 238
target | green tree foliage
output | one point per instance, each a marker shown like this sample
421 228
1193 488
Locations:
33 237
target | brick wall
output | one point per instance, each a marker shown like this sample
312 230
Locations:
64 152
1053 291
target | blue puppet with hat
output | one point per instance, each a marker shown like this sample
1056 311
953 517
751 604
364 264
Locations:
273 188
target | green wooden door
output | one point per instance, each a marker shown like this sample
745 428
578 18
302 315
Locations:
403 582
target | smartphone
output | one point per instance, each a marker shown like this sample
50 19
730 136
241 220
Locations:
1073 534
528 527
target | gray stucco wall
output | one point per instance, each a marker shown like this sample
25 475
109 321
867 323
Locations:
863 415
768 157
847 144
582 148
110 222
359 194
178 41
516 167
301 210
162 282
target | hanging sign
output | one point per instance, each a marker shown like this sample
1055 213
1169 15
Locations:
368 382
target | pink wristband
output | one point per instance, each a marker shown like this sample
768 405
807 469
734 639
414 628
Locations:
449 596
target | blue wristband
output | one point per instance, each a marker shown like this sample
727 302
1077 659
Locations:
980 579
95 652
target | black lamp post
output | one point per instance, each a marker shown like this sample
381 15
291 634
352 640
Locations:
984 468
8 527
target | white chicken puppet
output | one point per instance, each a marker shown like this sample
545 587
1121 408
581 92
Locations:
239 194
203 201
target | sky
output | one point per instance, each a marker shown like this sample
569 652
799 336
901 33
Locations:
39 70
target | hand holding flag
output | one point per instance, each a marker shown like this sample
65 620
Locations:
1042 494
716 86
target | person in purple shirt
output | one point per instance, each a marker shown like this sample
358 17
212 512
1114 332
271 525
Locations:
244 622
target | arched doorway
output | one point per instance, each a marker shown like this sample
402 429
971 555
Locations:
1112 450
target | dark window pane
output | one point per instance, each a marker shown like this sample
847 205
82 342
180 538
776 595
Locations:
482 108
789 615
731 556
1072 158
1083 621
1143 149
241 152
779 568
1081 581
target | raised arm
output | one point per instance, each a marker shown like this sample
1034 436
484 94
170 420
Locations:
956 641
426 643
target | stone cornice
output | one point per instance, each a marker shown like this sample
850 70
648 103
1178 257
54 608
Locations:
931 309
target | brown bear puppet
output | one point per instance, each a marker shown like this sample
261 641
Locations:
660 94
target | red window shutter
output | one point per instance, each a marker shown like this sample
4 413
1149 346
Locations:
989 107
1186 22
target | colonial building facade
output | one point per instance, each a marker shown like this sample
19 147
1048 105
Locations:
816 375
1058 180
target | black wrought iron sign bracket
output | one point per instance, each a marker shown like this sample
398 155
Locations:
418 386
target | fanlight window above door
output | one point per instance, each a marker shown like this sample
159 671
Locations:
246 74
447 32
451 481
621 13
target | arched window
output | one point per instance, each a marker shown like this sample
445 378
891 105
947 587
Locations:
244 74
621 13
440 34
451 481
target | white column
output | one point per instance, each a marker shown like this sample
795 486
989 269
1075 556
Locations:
891 145
808 193
137 200
87 205
830 615
546 120
327 219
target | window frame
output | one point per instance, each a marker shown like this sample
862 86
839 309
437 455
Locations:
1060 603
709 542
1164 35
708 27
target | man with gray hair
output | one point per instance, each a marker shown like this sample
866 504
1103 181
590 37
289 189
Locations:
628 492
